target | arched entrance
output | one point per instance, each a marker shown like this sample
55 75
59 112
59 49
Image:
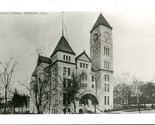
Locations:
89 101
84 99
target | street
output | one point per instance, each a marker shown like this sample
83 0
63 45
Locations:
132 112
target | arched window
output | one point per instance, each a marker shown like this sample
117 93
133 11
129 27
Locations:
95 38
84 76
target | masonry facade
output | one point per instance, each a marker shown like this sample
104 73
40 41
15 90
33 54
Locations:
96 93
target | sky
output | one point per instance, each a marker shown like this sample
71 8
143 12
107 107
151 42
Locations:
133 23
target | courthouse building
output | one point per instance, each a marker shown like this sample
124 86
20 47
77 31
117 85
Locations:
96 93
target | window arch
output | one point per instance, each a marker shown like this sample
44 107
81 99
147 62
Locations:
95 37
84 76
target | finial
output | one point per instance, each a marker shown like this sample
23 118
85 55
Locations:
62 25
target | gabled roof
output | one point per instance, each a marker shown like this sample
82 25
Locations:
83 53
101 21
43 59
63 46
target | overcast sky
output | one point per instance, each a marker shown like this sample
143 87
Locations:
133 38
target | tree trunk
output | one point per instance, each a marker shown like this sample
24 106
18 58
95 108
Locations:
74 107
38 110
5 104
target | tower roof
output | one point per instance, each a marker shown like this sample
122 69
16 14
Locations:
63 46
101 21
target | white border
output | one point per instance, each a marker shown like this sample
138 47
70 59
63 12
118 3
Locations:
76 5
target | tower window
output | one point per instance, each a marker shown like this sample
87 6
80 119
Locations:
105 100
106 77
69 58
105 87
106 51
95 38
108 87
106 65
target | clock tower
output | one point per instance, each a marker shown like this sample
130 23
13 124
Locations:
101 54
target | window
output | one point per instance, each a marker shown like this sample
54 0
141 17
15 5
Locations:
64 71
69 82
92 85
106 65
95 38
86 66
63 57
67 58
105 87
84 76
93 53
108 87
64 83
81 65
92 78
106 77
69 71
105 100
106 51
97 51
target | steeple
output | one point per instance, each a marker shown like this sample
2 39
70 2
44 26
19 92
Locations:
63 46
101 21
62 25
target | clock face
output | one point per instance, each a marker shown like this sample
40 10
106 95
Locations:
95 38
107 36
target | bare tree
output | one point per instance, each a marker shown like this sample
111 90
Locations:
7 70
